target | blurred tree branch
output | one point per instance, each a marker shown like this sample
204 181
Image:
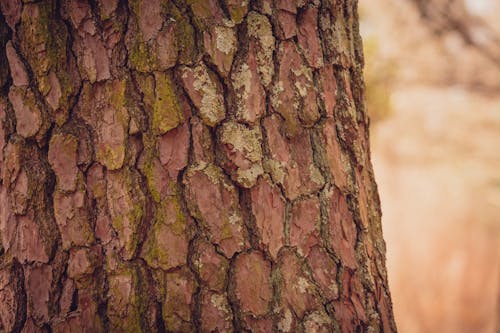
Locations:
446 16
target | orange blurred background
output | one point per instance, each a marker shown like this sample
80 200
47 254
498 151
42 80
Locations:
434 101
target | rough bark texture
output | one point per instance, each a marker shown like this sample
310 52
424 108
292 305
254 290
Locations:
197 165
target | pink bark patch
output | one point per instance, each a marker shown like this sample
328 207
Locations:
349 310
2 135
11 162
173 149
111 144
253 287
324 271
77 11
287 24
308 37
103 228
211 266
294 95
250 96
214 201
220 43
258 324
29 243
342 229
82 262
93 57
66 298
17 69
28 116
329 89
363 180
71 215
62 157
54 94
38 281
286 17
11 10
96 181
8 222
305 224
291 163
268 207
203 150
298 292
216 315
167 50
150 18
19 195
334 155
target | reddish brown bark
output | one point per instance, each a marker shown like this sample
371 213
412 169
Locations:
187 166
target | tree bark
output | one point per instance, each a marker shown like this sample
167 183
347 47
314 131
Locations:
181 166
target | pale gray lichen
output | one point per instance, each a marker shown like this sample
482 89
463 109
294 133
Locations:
243 139
277 170
242 84
211 106
260 28
247 142
225 39
316 175
286 323
315 320
220 303
303 285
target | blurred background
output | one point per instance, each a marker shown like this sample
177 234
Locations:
433 91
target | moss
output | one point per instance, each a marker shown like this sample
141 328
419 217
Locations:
155 254
143 55
238 11
118 95
167 110
179 226
111 157
226 231
148 164
52 33
148 170
140 56
112 154
184 34
35 31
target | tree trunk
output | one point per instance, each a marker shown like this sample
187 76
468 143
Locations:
181 166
